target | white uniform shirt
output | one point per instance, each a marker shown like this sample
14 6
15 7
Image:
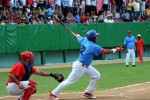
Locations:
12 3
88 2
111 21
143 6
136 6
82 4
65 2
35 3
58 2
93 2
70 3
105 2
28 10
23 2
106 20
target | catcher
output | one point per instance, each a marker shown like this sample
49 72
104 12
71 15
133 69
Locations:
18 81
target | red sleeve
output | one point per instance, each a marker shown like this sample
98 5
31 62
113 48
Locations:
34 70
103 51
17 69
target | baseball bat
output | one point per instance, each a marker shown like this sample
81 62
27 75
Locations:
64 25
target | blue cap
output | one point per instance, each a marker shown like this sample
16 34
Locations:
92 33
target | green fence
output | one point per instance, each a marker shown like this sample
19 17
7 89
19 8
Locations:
17 38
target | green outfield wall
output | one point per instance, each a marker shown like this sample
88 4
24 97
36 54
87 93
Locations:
17 38
46 39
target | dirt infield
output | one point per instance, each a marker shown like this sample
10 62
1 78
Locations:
131 92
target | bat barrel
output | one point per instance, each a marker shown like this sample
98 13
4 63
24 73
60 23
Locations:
64 25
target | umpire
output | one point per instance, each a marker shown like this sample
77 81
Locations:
130 43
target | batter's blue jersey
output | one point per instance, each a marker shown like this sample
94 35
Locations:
88 50
130 42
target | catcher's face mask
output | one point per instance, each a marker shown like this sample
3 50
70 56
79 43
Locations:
27 57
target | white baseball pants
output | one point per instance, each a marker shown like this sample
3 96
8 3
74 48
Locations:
13 88
79 70
131 52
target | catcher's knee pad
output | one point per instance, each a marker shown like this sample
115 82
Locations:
32 83
30 90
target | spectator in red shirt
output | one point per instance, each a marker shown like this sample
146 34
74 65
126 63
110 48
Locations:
11 16
140 47
7 3
0 2
18 81
30 2
142 19
83 19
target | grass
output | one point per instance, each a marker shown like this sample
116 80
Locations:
112 75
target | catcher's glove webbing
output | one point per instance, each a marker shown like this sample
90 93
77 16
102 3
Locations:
58 77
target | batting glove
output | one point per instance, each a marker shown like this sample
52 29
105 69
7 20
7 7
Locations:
117 49
76 35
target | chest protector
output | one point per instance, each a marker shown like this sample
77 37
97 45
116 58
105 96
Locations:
28 71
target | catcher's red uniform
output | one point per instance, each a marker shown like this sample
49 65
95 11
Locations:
22 74
19 71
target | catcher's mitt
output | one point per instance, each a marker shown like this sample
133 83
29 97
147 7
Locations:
58 77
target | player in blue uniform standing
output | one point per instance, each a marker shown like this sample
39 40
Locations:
82 66
130 43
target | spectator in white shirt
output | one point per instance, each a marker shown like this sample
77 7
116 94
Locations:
12 3
2 22
70 6
93 6
136 6
143 4
111 20
23 2
87 6
126 16
106 20
58 4
50 21
105 5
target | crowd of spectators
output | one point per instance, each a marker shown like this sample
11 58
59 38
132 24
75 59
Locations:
73 11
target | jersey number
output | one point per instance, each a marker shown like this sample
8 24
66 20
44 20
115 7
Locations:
82 49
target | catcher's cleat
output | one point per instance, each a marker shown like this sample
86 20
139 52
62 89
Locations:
53 97
89 95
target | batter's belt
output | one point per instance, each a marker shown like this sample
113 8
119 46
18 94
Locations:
83 65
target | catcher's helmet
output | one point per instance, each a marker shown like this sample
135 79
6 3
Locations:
26 54
91 35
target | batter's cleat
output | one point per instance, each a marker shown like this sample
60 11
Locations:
53 97
89 95
133 65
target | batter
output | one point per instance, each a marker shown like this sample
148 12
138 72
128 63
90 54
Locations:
82 66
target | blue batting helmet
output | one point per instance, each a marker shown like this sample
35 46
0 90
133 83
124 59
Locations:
91 35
